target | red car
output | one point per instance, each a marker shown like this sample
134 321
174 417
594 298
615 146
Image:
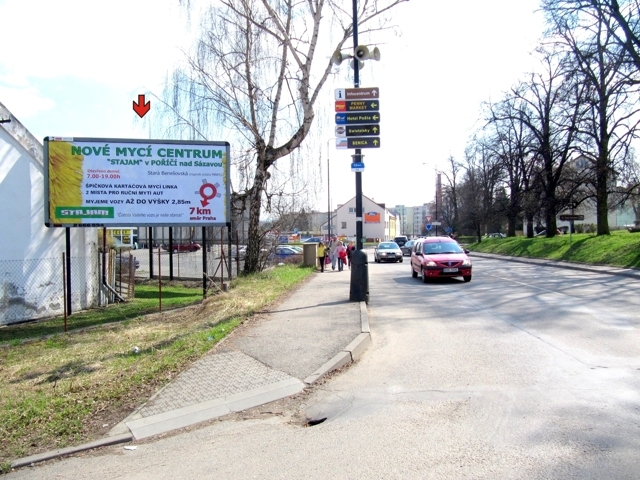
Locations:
439 257
183 247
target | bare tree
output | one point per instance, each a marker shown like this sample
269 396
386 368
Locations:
620 18
477 189
512 142
254 72
549 107
450 193
611 112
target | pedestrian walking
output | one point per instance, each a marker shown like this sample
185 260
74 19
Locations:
332 245
350 249
322 251
341 254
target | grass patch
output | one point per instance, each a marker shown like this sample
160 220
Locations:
71 388
146 301
620 249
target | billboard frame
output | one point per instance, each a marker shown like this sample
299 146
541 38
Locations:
145 155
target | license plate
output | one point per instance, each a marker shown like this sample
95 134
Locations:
450 270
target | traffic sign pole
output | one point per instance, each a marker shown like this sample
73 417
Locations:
359 286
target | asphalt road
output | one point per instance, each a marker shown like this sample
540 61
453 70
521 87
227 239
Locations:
525 372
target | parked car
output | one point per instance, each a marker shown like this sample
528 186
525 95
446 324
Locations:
313 240
122 263
438 257
283 252
387 252
240 252
495 235
406 248
183 247
401 240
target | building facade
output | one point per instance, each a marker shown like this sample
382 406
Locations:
31 256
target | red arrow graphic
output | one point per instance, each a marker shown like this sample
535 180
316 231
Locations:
141 108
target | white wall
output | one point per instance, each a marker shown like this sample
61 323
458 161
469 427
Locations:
30 253
369 230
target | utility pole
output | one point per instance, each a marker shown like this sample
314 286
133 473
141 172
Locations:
359 288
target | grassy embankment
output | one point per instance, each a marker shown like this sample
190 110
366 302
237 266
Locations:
620 249
61 389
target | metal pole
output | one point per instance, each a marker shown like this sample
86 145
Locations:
358 155
68 250
170 253
204 261
328 196
359 286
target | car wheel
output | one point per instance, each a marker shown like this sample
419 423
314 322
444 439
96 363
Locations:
414 274
424 276
467 278
401 260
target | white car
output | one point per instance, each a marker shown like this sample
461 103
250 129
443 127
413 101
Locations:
387 252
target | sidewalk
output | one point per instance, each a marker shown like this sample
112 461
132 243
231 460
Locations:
312 332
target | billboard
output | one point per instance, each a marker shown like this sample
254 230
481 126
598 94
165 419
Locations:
372 217
100 182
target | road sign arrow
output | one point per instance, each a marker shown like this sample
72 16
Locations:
141 108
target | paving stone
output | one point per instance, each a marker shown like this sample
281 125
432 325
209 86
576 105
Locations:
217 375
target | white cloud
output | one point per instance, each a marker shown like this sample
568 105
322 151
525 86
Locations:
26 100
117 42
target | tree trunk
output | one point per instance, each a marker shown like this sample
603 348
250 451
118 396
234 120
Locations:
602 198
254 236
529 217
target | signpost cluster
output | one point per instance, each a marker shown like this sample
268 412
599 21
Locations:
357 120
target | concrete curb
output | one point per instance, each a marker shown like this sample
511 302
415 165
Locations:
202 412
350 352
41 457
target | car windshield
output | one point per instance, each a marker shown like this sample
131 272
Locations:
440 248
388 246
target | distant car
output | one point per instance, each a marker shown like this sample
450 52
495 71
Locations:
401 240
183 247
496 235
296 247
387 252
122 263
313 240
439 257
239 253
406 248
544 232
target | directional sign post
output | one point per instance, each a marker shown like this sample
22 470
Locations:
570 219
357 130
357 105
357 116
361 118
371 93
358 142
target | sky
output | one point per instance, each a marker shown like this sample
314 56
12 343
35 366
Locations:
73 68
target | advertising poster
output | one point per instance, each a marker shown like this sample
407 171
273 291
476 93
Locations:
92 182
372 217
